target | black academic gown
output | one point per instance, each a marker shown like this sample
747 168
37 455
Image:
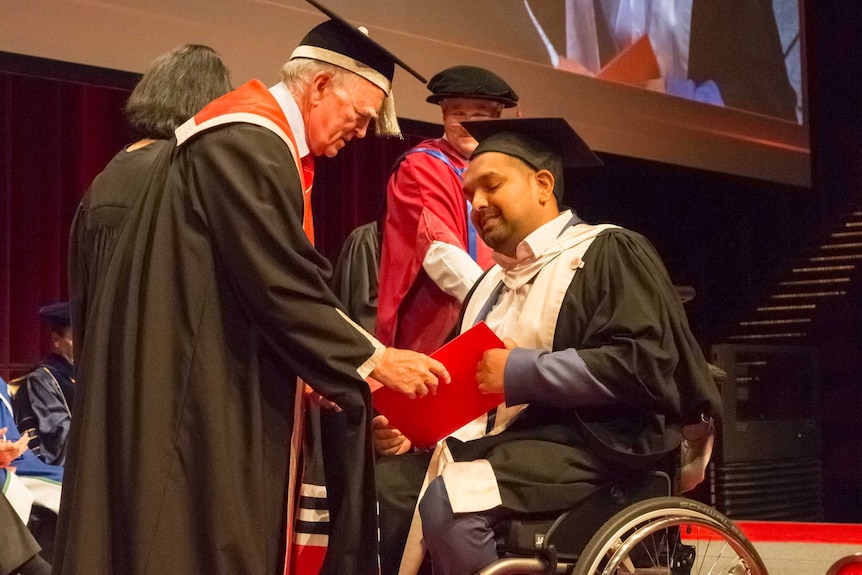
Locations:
209 301
621 312
625 319
43 406
355 276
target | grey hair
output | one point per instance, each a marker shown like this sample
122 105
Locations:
174 88
297 73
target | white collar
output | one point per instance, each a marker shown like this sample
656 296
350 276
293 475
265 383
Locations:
294 117
536 243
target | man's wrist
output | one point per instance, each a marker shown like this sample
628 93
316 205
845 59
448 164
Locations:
372 362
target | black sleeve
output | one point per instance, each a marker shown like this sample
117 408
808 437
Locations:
250 193
636 338
51 414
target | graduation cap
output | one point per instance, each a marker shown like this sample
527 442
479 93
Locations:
470 82
56 315
542 143
341 44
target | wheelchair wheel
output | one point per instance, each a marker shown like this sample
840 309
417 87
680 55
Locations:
669 536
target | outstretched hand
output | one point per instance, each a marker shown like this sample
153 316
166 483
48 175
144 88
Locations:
411 373
491 371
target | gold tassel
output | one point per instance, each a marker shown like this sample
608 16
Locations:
387 123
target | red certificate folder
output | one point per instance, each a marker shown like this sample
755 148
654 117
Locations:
427 420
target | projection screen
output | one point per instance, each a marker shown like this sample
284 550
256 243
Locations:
711 84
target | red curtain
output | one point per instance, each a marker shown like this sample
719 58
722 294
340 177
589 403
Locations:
59 125
57 134
350 189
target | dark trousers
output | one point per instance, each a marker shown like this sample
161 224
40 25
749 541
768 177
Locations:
458 542
399 479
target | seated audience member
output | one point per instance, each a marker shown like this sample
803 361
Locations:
600 369
26 482
43 402
430 254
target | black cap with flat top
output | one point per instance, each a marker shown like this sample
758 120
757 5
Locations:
340 43
344 38
542 143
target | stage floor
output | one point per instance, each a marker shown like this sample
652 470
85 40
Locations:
803 548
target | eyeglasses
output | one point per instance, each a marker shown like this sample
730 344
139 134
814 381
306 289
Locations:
464 117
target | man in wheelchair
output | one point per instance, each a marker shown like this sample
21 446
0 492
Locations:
600 371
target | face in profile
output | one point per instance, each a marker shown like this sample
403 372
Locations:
61 340
507 198
457 110
338 115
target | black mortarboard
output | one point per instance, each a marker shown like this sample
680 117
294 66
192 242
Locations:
542 143
340 43
56 314
470 82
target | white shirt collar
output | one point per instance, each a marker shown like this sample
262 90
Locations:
294 117
535 243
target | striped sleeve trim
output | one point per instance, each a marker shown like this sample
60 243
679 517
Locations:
366 368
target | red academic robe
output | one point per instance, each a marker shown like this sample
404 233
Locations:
424 204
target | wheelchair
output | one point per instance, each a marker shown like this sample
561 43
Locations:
628 528
634 526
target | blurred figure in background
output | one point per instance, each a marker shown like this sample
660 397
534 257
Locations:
30 497
45 396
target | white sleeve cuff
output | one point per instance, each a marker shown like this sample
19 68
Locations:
451 268
368 366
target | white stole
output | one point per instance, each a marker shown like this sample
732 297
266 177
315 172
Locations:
534 327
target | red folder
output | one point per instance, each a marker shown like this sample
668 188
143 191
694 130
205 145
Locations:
427 420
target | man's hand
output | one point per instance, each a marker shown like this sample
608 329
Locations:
413 374
491 371
388 440
316 399
11 450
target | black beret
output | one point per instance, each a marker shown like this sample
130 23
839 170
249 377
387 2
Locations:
470 82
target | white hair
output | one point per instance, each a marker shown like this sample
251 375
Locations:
297 73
